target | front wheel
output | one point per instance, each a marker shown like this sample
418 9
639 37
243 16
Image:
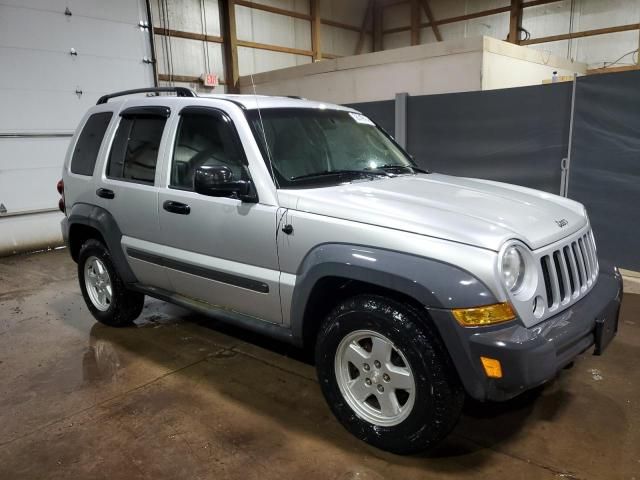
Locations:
105 294
386 375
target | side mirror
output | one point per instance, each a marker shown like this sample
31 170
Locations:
218 181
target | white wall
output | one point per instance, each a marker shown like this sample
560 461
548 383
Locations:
541 21
558 18
435 68
505 65
40 107
480 63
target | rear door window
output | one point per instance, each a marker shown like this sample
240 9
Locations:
134 154
88 145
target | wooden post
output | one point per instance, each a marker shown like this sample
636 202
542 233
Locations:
378 43
515 21
415 22
431 18
363 29
316 36
230 44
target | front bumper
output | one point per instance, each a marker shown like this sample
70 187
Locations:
530 356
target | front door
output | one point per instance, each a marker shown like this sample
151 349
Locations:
219 250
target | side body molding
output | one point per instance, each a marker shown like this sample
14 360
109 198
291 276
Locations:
101 220
433 283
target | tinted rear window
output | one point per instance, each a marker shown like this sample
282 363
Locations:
86 151
134 153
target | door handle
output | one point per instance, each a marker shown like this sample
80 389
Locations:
176 207
105 193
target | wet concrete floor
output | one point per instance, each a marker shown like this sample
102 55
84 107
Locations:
184 397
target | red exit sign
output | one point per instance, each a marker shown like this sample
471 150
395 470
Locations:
210 80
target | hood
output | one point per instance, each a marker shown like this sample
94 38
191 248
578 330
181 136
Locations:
476 212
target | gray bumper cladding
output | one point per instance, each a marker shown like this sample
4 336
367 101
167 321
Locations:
529 356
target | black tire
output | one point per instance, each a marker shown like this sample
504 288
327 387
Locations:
439 395
125 305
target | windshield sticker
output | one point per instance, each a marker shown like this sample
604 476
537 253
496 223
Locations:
358 117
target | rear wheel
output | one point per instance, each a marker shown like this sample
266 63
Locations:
105 294
386 375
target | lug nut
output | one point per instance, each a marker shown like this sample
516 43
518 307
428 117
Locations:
376 364
380 388
366 367
386 377
367 382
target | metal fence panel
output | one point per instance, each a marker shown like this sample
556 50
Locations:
605 162
382 112
515 135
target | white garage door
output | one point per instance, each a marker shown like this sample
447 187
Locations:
56 58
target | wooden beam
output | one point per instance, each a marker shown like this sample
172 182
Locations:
535 3
432 20
345 26
331 56
294 14
230 45
515 21
363 29
316 30
391 3
624 68
585 33
189 35
415 22
267 8
274 48
378 41
470 16
388 31
183 78
460 18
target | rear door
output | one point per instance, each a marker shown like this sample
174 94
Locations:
219 250
128 187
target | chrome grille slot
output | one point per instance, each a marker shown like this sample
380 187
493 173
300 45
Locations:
572 270
585 258
544 263
580 262
569 271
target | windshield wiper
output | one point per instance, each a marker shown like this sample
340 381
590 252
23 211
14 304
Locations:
393 168
327 173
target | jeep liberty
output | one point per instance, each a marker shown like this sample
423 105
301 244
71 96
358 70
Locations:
307 222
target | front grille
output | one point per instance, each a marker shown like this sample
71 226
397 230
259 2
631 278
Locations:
569 271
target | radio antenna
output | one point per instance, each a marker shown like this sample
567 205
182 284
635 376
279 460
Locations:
264 136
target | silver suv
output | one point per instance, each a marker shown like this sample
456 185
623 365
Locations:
307 222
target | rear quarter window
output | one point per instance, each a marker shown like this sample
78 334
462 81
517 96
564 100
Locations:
85 154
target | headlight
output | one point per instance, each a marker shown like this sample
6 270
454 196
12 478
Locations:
513 268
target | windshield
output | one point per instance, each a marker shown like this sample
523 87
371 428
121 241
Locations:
315 146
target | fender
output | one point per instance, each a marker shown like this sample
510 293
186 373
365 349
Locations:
101 220
432 283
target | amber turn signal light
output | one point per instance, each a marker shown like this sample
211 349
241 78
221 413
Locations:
485 315
492 367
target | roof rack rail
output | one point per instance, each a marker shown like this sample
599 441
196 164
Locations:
179 91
